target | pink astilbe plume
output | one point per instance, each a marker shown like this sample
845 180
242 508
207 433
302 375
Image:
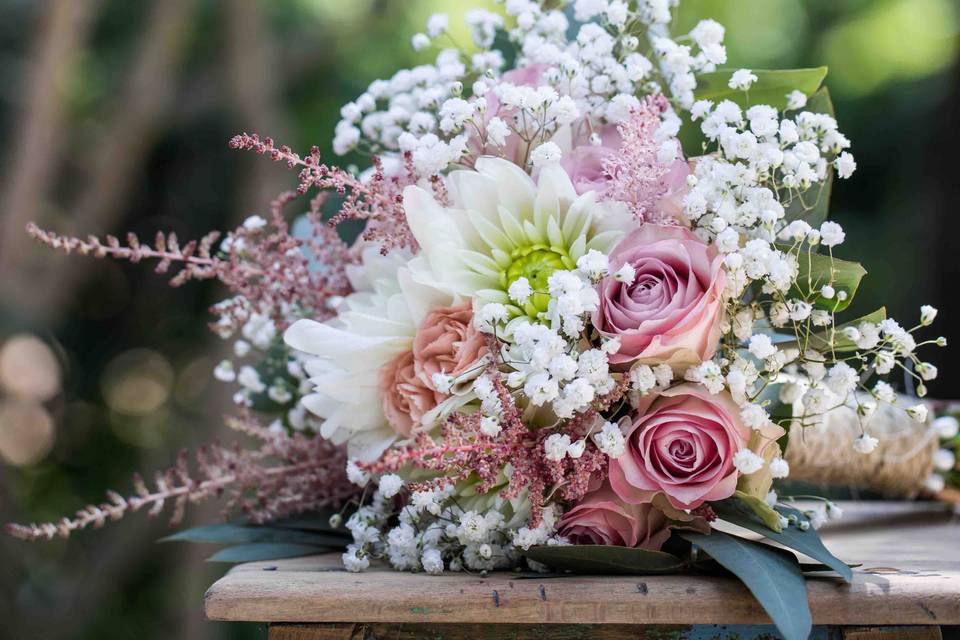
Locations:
376 199
463 451
285 475
635 175
266 268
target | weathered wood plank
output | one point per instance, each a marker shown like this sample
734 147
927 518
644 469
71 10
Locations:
910 576
367 631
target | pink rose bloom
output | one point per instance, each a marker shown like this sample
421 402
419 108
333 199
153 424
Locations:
672 311
447 342
584 163
681 443
601 517
404 396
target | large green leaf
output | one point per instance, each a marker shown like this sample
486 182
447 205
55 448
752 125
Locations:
604 559
817 270
231 533
265 551
771 87
813 204
807 542
317 521
841 343
772 575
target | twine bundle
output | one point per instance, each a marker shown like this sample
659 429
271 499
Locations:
898 467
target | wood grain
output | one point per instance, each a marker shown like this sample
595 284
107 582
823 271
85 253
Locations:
910 576
367 631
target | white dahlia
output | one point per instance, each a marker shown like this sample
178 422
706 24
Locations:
504 226
375 325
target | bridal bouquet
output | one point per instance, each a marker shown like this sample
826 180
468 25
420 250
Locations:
595 284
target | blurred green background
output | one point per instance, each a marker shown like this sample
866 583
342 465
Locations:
115 115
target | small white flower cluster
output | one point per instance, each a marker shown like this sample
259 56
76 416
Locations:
434 534
599 73
546 362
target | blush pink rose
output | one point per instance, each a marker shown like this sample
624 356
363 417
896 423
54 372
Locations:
602 517
673 309
404 396
681 443
584 163
447 342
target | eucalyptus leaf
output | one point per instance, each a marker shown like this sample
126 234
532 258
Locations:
231 533
816 270
604 559
807 542
265 551
771 87
319 521
772 575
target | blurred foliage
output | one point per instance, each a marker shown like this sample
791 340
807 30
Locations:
134 355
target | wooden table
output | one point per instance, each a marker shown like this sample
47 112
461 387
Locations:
907 587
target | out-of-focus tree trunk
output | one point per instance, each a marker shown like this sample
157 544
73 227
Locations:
254 84
40 289
33 158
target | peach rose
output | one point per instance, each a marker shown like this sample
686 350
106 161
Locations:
672 311
601 517
682 442
447 342
404 396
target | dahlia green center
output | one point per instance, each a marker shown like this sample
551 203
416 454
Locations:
535 263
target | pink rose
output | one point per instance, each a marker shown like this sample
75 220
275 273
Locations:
672 311
447 342
681 443
584 163
603 518
404 395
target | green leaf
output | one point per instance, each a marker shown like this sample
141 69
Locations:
771 87
813 204
246 534
816 270
806 542
604 559
841 343
761 509
265 551
772 575
313 521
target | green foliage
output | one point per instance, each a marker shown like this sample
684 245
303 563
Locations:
604 559
841 343
817 270
265 551
771 87
733 510
248 534
772 575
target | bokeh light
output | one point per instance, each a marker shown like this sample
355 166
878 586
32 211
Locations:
137 382
26 432
29 368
